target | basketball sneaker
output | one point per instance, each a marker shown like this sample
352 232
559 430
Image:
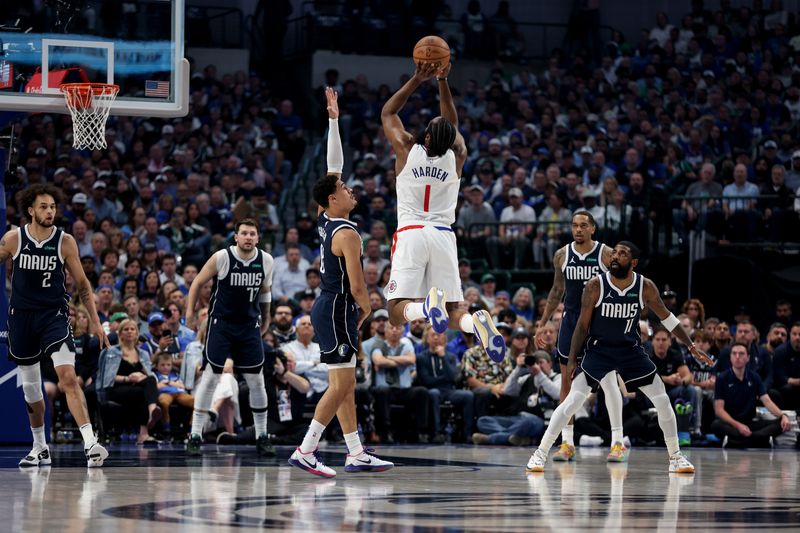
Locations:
38 456
565 452
435 311
193 445
264 446
364 462
679 464
537 461
618 454
311 462
95 455
491 339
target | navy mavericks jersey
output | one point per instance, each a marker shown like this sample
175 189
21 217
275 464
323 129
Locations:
238 284
615 320
333 267
578 269
38 281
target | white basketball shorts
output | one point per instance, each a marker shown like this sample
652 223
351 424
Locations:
424 256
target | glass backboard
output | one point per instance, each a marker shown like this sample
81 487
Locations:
136 44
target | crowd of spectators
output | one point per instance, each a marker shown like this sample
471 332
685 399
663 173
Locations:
707 109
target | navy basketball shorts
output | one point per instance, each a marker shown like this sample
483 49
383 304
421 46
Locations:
631 363
565 331
239 341
33 335
335 319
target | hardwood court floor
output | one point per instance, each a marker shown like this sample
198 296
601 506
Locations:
438 488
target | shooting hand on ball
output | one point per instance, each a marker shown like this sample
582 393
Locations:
425 71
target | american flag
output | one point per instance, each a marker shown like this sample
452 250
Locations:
158 89
6 75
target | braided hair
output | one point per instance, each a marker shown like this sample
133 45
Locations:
442 136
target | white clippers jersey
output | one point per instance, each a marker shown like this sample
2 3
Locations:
427 188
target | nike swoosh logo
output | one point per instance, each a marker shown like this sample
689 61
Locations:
365 462
309 464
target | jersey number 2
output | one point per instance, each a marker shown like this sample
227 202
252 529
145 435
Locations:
46 279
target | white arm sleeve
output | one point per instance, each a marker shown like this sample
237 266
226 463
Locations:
335 156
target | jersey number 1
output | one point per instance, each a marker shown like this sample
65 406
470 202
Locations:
426 202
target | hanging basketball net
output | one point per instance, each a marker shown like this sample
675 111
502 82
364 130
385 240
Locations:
89 104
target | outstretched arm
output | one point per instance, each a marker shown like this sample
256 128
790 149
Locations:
653 300
335 157
400 139
590 294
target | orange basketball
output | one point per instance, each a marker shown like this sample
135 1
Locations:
432 49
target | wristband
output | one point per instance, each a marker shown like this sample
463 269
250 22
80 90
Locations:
441 79
265 297
671 322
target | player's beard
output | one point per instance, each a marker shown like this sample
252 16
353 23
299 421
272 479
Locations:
43 222
620 272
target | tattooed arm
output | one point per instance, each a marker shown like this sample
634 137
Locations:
8 245
590 294
556 293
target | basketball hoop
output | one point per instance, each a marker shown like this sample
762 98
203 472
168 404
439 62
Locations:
89 104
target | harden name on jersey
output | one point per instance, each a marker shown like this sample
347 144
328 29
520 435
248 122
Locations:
430 172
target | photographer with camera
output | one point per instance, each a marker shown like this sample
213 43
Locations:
535 388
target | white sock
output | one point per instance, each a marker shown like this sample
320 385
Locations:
568 434
311 440
260 422
88 435
354 447
413 311
38 437
466 324
199 420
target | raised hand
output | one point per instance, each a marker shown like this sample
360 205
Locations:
426 71
332 98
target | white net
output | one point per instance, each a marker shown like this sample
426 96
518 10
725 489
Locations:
89 104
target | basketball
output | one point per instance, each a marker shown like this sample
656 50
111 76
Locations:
432 49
